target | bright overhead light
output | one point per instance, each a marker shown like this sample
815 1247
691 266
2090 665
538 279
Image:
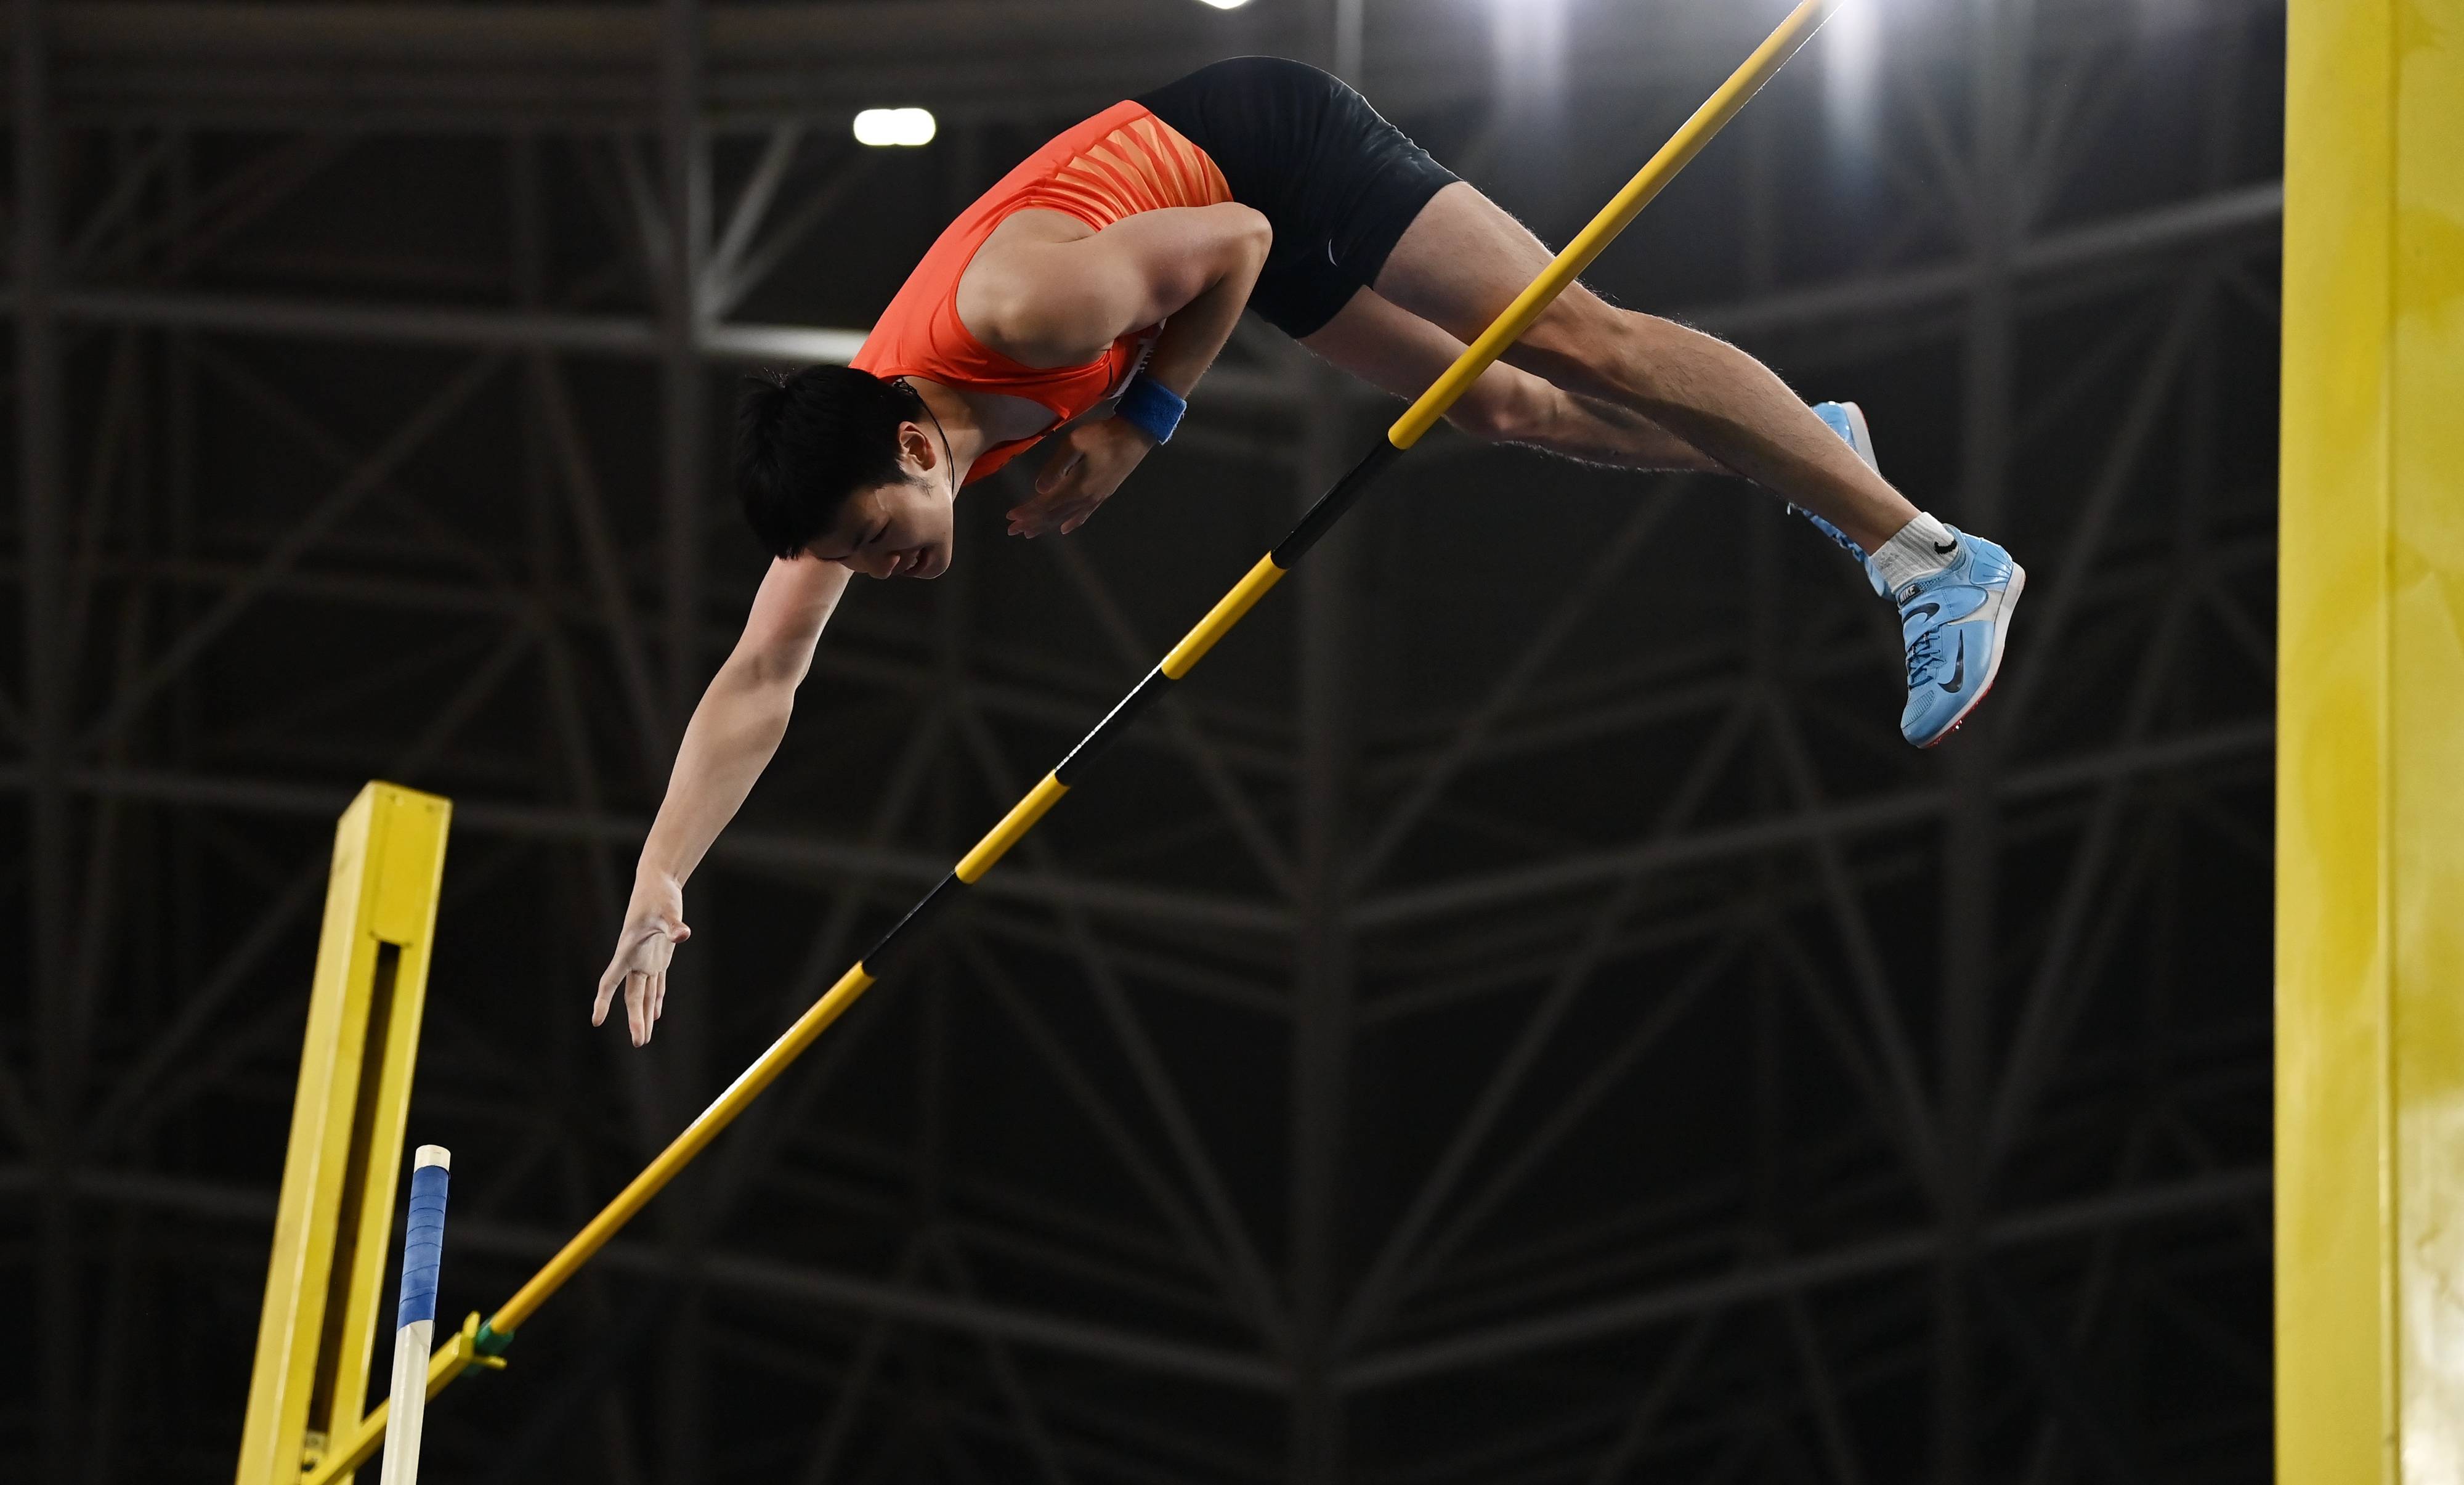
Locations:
894 127
1852 61
1527 39
1226 5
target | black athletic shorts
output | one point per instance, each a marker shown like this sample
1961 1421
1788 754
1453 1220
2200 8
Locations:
1338 182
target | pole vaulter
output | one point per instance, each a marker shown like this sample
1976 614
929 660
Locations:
479 1345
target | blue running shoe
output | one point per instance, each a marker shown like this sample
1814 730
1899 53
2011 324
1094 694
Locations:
1955 622
1848 421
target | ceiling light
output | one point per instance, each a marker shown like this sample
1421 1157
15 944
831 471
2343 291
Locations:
1226 5
894 127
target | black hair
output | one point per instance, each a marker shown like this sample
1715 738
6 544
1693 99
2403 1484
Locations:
807 440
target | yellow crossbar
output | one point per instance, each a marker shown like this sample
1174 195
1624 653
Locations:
1014 826
681 1150
1229 610
1614 218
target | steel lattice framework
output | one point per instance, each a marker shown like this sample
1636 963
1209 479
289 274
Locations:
1522 1016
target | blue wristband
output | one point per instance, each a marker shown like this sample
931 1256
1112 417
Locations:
1148 404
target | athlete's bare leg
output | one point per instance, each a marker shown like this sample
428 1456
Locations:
1391 349
1463 260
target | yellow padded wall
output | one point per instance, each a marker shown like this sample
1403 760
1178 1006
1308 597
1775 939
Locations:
2369 932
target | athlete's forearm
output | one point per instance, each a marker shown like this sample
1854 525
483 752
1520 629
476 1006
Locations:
742 715
1196 333
733 736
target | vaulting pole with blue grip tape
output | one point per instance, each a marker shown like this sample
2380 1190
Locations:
423 1259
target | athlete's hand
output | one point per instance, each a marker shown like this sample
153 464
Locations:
1090 464
655 924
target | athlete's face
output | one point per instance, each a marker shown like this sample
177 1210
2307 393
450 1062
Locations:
902 530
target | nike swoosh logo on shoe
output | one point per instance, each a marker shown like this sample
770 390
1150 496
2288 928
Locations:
1921 611
1958 669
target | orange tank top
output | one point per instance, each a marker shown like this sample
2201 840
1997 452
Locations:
1121 161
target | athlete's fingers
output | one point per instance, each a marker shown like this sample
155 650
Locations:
1081 503
1077 478
1035 504
1039 517
608 983
636 986
1087 486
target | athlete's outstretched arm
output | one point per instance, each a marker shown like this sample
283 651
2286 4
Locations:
1190 267
731 739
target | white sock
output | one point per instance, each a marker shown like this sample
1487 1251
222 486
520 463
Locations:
1922 548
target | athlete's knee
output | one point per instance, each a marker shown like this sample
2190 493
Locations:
1601 350
1503 409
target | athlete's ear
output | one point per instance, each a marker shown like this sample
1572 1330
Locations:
916 444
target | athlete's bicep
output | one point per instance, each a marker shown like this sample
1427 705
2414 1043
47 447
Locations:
1136 272
1158 261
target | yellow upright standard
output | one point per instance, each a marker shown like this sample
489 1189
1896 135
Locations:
2369 938
322 1289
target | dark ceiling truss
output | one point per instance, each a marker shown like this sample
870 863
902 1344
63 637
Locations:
1499 1029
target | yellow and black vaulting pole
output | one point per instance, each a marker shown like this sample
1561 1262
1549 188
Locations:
491 1337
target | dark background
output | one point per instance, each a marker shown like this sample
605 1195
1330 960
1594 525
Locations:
1522 1015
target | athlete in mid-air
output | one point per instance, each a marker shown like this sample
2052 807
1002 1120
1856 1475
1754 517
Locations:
1078 302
